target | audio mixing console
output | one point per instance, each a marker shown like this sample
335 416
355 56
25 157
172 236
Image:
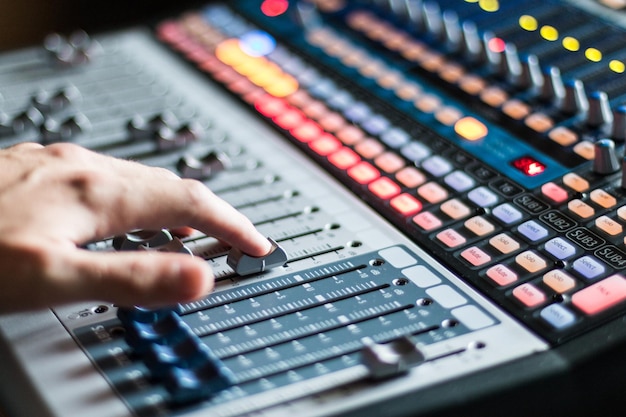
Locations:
442 180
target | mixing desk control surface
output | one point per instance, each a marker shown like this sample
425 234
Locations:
441 183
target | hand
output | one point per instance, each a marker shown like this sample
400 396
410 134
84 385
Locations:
54 199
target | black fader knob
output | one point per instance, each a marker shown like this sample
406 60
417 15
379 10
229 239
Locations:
605 160
618 131
203 168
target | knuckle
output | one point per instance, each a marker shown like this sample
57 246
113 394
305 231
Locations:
197 192
67 151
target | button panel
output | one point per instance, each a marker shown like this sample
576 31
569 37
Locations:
535 246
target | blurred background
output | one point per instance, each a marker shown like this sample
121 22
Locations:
26 22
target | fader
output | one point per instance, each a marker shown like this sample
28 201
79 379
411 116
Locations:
442 182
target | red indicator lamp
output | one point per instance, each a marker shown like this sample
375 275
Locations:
529 166
273 8
496 45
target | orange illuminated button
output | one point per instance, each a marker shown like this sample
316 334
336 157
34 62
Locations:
384 188
470 128
271 106
405 204
325 145
307 131
363 173
282 86
344 158
290 119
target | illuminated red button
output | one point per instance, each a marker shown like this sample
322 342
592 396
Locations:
601 295
290 119
529 295
307 131
405 204
554 192
325 145
344 158
384 188
363 173
270 106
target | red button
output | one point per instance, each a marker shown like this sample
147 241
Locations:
270 106
554 192
289 119
601 295
384 188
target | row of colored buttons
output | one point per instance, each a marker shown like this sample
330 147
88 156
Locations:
597 204
331 134
417 52
387 78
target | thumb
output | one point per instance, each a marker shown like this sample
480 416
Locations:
147 279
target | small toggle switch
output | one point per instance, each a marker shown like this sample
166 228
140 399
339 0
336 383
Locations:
245 264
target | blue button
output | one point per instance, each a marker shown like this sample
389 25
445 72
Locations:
483 197
395 137
589 267
415 151
357 113
560 248
437 165
533 230
558 316
506 213
323 89
341 100
459 180
375 125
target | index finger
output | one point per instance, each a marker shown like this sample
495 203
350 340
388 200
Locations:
151 202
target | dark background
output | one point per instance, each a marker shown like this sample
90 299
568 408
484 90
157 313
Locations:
26 22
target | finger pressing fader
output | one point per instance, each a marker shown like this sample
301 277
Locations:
245 264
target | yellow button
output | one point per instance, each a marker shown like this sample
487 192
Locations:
470 129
